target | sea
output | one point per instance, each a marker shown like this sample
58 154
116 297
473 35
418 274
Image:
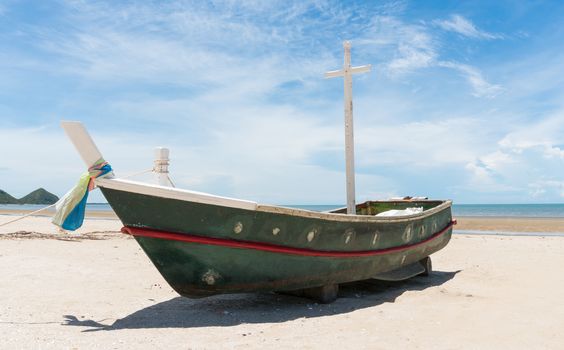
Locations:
459 210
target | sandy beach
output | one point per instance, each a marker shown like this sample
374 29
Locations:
97 289
238 141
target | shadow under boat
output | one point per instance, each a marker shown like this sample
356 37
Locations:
234 309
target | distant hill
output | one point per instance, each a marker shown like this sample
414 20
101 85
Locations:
5 198
39 196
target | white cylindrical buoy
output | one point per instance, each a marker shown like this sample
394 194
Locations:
160 168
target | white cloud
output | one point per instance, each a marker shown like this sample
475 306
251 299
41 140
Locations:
554 152
488 171
542 188
485 167
416 47
525 160
545 135
480 86
403 46
412 57
420 144
463 26
497 160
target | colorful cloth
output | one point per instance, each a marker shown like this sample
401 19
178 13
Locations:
71 208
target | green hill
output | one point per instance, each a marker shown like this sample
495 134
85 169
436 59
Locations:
39 196
5 198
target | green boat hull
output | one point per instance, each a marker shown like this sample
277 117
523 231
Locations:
204 249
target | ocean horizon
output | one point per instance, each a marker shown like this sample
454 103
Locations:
549 210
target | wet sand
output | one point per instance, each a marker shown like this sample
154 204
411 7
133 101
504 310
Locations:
97 289
510 224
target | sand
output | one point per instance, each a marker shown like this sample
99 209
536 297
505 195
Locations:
99 290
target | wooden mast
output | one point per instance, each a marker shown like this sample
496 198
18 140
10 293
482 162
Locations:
347 73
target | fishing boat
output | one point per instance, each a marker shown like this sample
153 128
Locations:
204 244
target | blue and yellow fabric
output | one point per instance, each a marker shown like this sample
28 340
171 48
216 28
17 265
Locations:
71 207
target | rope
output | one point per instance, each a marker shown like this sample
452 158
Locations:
135 174
52 205
170 180
28 215
152 170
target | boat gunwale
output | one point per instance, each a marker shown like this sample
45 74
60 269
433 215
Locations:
205 198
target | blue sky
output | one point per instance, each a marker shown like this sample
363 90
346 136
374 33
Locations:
465 99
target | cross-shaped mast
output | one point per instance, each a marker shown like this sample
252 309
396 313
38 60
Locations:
347 73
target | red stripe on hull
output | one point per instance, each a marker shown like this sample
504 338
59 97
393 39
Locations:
182 237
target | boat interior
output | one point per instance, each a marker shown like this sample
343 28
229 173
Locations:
376 207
